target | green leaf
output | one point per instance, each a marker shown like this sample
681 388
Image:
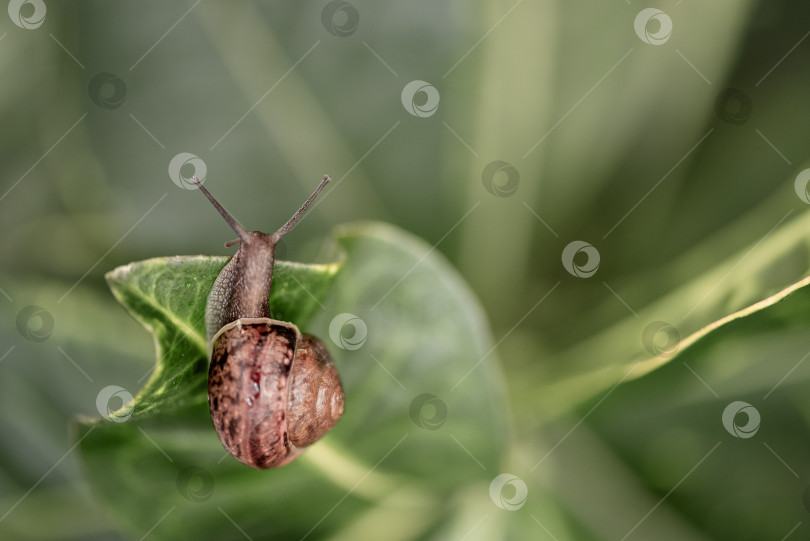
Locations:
755 278
664 423
168 295
424 415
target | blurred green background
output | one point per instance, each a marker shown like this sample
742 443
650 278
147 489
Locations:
685 188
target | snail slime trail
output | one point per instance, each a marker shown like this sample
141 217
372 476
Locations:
271 389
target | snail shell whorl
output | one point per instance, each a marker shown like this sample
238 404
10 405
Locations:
271 390
316 397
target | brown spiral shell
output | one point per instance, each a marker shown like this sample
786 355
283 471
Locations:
271 390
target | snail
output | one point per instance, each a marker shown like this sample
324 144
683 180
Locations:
271 389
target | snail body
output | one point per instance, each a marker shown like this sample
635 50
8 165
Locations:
272 390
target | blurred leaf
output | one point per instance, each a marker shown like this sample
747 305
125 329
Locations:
664 424
643 438
757 277
386 461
